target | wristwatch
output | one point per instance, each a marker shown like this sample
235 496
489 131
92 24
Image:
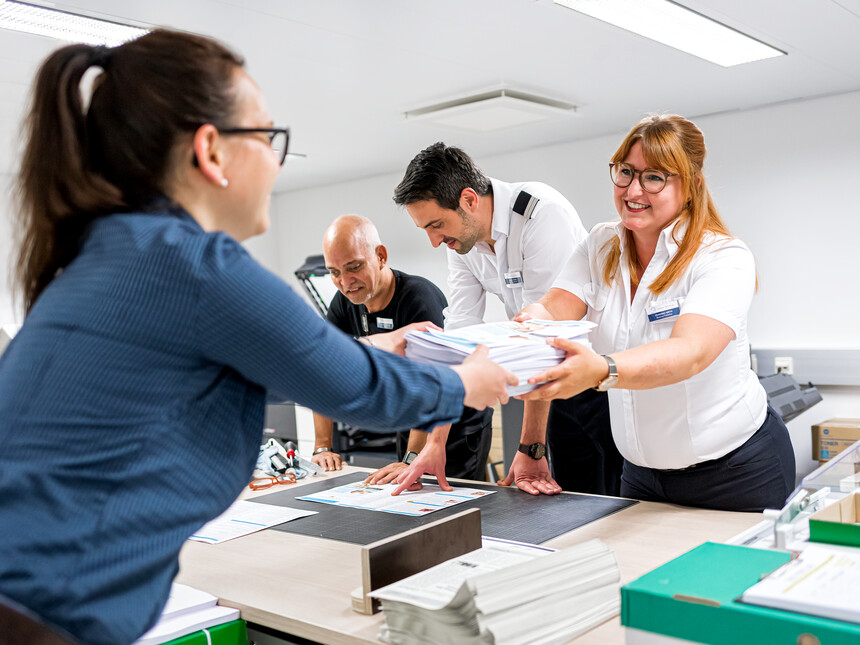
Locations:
409 457
323 449
611 379
534 450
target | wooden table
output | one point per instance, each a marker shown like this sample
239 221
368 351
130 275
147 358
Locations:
301 585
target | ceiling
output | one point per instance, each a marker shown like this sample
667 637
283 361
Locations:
341 73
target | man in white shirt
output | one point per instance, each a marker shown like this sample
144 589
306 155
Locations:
511 240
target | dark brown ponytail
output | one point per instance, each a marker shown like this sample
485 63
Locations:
79 164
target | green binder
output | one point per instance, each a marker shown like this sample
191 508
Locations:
232 633
695 597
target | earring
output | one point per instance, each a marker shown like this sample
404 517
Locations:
224 182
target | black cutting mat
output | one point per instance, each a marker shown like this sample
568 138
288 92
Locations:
509 514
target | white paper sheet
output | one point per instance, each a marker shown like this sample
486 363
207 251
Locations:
245 517
378 498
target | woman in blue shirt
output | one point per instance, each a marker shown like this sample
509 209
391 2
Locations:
132 399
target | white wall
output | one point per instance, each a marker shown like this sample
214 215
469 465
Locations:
783 178
7 314
264 248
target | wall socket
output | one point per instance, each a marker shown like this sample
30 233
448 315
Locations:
783 365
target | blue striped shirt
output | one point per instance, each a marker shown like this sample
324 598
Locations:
131 410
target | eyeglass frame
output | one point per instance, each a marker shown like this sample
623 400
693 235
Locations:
272 132
635 172
263 483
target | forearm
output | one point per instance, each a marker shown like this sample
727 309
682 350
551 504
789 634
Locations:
323 430
439 436
655 364
417 440
556 304
535 414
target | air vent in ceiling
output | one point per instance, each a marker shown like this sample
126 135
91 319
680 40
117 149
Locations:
492 110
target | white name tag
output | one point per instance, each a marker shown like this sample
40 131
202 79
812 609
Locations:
514 279
664 310
385 323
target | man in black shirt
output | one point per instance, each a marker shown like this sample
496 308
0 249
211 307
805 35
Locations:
374 298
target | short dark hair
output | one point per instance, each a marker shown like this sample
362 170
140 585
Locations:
116 154
440 173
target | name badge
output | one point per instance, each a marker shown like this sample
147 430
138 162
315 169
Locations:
664 310
385 323
514 279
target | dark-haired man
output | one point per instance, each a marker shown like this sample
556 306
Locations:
511 240
375 298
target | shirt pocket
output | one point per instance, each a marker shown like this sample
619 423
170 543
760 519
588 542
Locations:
596 296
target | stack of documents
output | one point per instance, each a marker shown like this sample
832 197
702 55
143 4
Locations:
519 347
187 610
822 581
504 594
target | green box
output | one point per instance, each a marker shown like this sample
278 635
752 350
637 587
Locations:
837 523
694 597
232 633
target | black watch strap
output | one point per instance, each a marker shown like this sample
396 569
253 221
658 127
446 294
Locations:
534 450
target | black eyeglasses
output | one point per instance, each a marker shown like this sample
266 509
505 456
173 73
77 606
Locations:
279 139
652 181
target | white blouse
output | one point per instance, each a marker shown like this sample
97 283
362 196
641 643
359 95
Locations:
703 417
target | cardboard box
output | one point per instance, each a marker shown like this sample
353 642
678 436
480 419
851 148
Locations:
695 598
838 523
831 437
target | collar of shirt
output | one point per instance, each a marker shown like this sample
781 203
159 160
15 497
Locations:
666 239
501 224
162 204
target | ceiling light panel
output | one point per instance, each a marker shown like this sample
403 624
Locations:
672 24
41 21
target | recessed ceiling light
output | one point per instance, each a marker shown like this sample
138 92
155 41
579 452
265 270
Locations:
41 21
671 24
492 110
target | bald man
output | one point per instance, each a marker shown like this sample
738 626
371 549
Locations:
374 298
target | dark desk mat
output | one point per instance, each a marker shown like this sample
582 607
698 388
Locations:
509 514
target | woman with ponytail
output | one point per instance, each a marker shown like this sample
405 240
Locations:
670 290
132 399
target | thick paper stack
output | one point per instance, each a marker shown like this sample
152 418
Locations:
504 594
821 581
187 610
519 347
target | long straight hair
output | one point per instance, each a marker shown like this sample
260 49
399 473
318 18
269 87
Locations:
81 162
672 144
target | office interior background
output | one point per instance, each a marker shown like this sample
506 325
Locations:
783 134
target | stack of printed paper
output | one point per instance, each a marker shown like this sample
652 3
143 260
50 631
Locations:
504 594
519 347
822 581
187 610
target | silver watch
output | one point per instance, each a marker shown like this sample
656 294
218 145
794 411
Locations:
611 379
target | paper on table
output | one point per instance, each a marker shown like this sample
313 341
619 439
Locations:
245 517
378 497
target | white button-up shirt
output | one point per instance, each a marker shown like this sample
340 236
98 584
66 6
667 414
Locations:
703 417
542 248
